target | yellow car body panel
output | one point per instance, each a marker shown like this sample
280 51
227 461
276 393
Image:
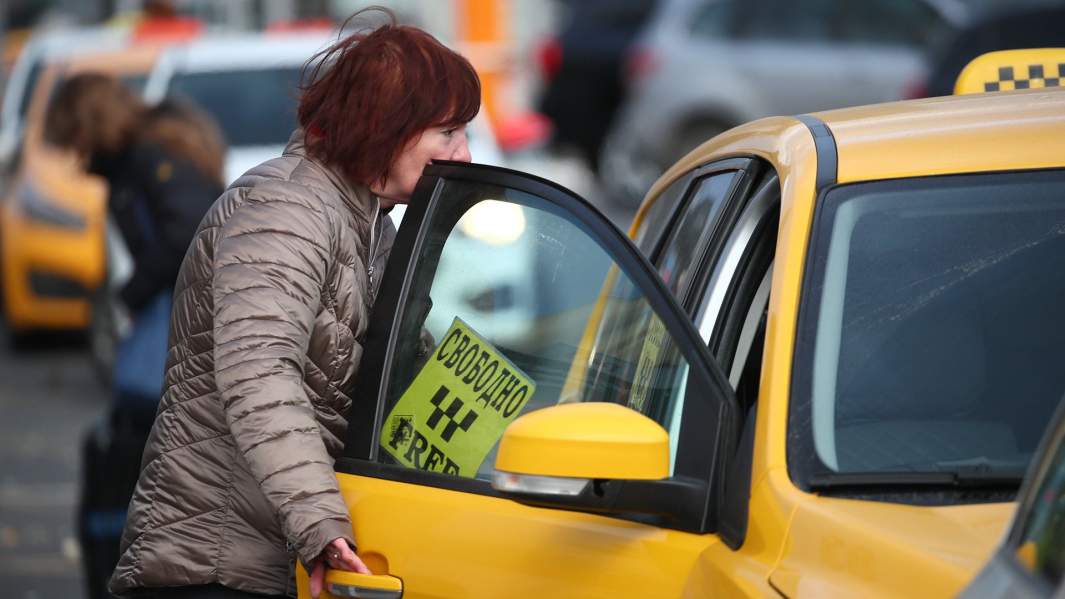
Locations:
31 246
28 245
797 543
956 134
562 554
848 547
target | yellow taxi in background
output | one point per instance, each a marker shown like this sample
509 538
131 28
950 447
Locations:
819 368
53 216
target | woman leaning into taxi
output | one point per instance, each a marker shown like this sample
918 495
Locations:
270 309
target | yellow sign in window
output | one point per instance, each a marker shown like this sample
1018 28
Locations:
456 409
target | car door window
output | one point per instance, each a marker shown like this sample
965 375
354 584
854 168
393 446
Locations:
1041 546
513 306
683 252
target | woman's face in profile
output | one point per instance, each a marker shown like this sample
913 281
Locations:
435 143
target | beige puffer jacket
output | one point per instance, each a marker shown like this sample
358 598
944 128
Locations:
270 310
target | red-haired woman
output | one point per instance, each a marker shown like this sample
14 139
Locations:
270 309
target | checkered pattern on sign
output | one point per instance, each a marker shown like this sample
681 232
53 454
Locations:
1036 78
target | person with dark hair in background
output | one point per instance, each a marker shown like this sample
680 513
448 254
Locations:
270 313
163 166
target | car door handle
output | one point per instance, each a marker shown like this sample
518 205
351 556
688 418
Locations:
342 583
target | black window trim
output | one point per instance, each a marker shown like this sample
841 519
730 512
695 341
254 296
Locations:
709 396
691 179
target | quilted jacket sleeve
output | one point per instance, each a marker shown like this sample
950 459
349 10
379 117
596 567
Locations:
270 262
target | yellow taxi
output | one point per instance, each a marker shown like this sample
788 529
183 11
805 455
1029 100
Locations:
819 367
53 216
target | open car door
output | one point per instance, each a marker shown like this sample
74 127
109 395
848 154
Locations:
501 291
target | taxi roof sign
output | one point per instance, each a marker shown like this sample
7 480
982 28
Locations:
1006 70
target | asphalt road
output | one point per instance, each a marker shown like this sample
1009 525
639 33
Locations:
48 397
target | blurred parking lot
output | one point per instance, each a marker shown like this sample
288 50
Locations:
599 96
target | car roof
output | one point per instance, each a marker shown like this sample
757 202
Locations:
49 46
222 52
953 134
132 59
52 44
934 136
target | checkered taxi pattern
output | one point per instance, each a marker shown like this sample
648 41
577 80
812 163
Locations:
1031 77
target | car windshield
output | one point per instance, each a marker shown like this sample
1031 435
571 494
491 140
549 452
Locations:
932 331
253 107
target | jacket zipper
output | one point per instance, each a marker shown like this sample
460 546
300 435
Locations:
373 249
290 582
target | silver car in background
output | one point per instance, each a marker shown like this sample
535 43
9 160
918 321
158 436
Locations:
703 66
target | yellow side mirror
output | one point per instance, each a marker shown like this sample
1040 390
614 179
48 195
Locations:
583 441
1007 70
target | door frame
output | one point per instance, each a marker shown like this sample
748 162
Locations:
696 488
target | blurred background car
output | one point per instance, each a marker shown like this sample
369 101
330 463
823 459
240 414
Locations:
38 52
582 69
248 83
703 66
52 218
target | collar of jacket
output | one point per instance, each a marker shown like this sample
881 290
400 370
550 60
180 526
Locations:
363 204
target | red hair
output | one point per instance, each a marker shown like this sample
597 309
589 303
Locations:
371 94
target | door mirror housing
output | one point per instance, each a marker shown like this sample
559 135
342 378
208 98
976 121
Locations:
591 457
585 440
